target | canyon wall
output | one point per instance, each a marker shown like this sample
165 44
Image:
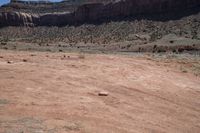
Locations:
95 12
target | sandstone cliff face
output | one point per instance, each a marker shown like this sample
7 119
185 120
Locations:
125 8
18 19
95 12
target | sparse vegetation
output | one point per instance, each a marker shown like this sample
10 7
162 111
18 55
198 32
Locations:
81 56
196 69
3 102
4 43
122 36
101 34
186 63
184 70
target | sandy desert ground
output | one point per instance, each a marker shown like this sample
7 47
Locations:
43 92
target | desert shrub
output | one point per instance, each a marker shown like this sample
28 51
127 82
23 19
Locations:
3 43
194 34
81 56
128 46
180 50
153 36
155 46
184 70
174 51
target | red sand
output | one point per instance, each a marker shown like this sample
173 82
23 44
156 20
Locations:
52 93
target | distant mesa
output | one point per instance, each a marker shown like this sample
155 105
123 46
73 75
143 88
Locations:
63 1
73 12
27 2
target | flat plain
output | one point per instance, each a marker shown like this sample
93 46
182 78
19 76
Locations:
43 92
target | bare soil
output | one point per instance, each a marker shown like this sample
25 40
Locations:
43 92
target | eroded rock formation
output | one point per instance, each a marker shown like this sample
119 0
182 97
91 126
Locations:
90 12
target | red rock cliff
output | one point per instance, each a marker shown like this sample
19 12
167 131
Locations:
93 12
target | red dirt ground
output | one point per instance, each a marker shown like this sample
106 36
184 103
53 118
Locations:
50 93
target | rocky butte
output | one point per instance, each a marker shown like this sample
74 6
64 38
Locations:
68 12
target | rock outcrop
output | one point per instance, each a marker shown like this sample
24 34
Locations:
94 12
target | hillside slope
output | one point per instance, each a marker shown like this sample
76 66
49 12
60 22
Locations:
127 36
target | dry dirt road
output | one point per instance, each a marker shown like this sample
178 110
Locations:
53 93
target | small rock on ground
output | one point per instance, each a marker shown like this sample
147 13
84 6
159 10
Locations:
103 93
